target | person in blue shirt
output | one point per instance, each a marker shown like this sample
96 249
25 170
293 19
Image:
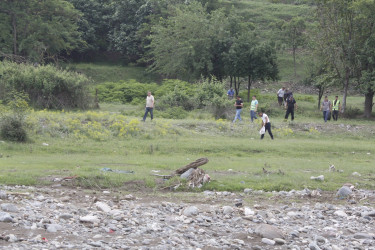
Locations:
230 93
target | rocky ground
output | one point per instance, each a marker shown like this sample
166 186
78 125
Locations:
57 218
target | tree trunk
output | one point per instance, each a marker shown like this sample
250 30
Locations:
14 26
369 102
235 85
294 61
248 89
231 82
320 94
346 86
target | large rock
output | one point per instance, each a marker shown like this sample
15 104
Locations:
5 217
103 207
344 192
269 231
190 211
53 228
89 219
8 207
227 210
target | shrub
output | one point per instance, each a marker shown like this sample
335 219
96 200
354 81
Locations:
46 86
12 129
13 116
174 113
176 98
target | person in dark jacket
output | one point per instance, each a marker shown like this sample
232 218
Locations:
290 105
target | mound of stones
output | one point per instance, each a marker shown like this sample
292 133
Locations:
59 218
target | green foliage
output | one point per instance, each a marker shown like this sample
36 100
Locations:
12 127
46 86
173 113
177 98
40 30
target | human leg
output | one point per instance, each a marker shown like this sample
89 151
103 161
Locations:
287 114
335 115
325 116
151 113
292 113
146 112
237 115
268 127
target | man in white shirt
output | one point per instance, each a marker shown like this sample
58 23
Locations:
149 106
265 123
280 95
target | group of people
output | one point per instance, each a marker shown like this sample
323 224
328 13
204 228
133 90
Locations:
327 107
266 124
284 97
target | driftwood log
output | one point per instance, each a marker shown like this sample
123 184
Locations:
194 164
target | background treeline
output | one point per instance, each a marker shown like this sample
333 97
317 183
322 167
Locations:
236 41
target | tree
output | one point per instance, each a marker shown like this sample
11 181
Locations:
345 35
180 45
40 30
294 36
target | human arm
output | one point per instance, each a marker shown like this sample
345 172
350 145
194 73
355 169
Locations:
256 107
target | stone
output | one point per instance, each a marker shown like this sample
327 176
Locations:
317 178
279 241
65 216
269 231
3 195
11 238
228 210
314 246
268 241
103 207
89 219
363 236
247 190
53 228
187 173
190 211
8 207
5 217
340 213
356 174
248 211
344 192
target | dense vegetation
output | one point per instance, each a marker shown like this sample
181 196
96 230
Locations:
238 41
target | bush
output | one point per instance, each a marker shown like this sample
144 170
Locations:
174 113
46 86
12 129
177 98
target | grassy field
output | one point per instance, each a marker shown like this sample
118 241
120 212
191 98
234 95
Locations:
81 144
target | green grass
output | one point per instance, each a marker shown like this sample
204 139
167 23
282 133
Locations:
236 156
101 72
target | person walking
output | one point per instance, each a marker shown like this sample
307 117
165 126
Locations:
280 95
150 101
290 106
230 93
239 105
253 108
336 108
326 107
266 124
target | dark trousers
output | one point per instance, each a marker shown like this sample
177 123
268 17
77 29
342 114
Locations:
335 114
289 111
151 113
267 127
280 100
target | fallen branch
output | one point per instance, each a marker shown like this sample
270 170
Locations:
194 164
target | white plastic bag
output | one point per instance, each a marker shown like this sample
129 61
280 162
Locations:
262 131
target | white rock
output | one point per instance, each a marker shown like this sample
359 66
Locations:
5 217
340 213
317 178
268 241
248 211
8 207
12 238
190 211
227 210
103 207
89 219
356 174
